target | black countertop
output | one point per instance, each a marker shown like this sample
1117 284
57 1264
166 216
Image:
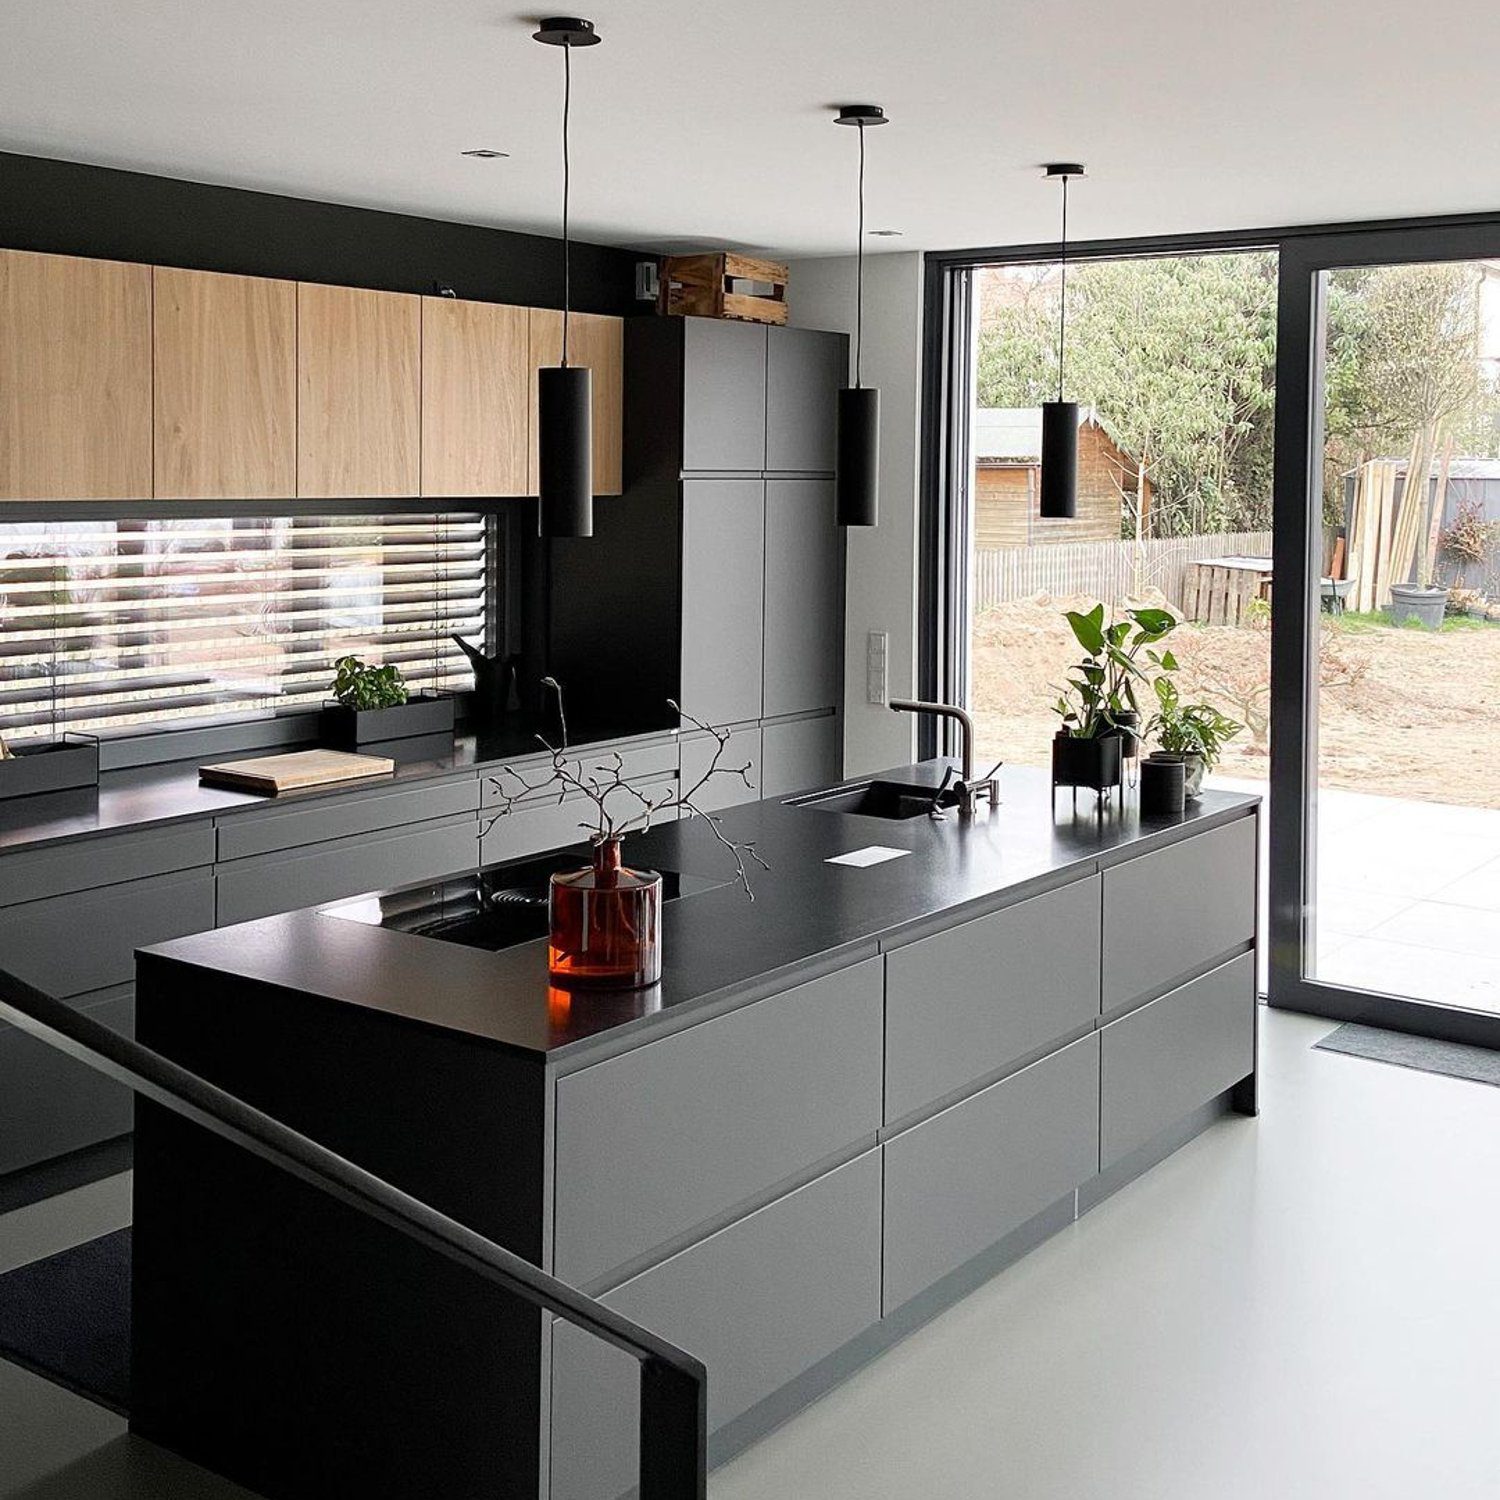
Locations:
718 941
155 796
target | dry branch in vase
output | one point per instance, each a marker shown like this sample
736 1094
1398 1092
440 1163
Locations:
620 808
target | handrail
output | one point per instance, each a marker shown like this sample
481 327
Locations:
674 1410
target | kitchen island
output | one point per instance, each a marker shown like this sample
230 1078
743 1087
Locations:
848 1102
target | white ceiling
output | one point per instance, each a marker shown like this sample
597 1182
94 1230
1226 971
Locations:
700 124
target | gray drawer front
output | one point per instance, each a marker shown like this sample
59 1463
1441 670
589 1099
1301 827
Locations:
1168 912
759 1302
744 748
654 1142
1178 1052
50 1104
964 1179
802 754
292 826
253 888
657 758
965 1003
83 864
68 945
537 826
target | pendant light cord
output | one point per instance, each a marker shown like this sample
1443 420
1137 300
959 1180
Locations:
567 53
1062 327
859 256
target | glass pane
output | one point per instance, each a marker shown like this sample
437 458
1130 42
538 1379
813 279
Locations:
119 625
1172 360
1406 831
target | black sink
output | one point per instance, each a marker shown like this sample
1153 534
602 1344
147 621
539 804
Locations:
874 799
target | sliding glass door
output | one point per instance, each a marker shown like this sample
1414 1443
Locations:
1385 843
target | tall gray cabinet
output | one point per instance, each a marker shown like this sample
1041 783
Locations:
734 422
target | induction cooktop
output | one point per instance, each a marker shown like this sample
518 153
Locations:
494 908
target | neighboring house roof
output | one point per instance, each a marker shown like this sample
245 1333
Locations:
1013 434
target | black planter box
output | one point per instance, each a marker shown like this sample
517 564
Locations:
343 728
63 765
1093 763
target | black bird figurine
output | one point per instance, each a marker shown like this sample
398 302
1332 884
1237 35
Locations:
496 689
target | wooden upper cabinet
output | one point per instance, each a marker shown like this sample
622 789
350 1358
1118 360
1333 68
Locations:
226 386
598 342
75 378
476 375
359 392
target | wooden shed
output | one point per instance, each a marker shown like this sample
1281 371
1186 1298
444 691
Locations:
1007 443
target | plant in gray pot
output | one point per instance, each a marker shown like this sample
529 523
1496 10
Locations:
1193 733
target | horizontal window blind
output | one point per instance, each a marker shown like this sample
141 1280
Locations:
117 625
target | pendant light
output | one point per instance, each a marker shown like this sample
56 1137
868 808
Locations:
858 463
565 402
1060 418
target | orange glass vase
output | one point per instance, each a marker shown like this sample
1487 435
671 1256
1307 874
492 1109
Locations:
605 924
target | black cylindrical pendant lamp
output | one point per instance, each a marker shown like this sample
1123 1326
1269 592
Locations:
857 484
1059 500
1059 497
564 392
565 449
858 462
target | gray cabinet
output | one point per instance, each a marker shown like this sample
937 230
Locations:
659 1140
250 888
804 597
805 370
1171 911
743 748
799 754
723 551
1174 1054
969 1001
759 1303
723 395
70 945
50 1104
962 1180
82 864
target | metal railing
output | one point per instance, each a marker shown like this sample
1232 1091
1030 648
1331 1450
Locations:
674 1410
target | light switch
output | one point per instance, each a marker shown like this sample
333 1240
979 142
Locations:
877 667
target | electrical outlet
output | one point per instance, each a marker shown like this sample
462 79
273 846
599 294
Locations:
877 668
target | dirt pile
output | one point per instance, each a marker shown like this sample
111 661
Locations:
1401 712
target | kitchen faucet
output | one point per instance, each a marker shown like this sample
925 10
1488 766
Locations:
969 792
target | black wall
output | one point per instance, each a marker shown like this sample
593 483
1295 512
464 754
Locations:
69 209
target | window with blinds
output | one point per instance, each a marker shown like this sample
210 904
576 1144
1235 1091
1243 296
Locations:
111 626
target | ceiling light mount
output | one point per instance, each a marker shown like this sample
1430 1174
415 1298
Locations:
484 153
860 115
1063 169
566 31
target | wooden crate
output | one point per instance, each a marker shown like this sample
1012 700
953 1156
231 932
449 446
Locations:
707 286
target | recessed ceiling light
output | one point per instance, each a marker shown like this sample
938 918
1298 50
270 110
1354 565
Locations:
886 234
484 153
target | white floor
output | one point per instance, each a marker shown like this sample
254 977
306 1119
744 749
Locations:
1305 1305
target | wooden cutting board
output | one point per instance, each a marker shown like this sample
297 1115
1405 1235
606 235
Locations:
294 771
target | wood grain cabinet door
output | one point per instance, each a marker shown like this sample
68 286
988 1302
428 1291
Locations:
476 401
75 378
225 385
359 392
598 342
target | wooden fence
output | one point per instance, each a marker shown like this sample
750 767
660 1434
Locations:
1110 571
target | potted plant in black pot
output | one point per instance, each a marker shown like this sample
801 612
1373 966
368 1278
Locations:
1100 713
372 703
1193 733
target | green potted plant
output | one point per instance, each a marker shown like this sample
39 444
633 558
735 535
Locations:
371 703
1194 733
1098 706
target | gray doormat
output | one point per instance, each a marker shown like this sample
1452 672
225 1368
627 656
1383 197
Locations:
1456 1059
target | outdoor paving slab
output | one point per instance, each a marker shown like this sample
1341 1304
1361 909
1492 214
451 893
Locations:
1419 973
1402 863
1479 888
1344 910
1454 929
